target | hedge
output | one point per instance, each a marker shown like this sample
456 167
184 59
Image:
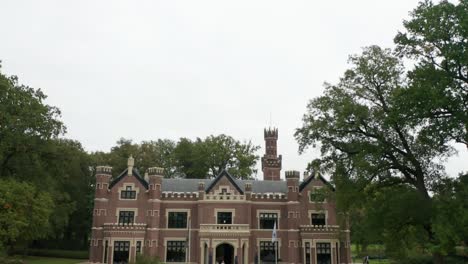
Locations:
58 253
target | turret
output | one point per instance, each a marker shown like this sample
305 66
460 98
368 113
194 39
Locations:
292 181
103 176
271 162
155 176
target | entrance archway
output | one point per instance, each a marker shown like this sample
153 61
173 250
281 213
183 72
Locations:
225 252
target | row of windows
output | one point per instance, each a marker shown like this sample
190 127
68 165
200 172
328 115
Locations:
179 219
176 250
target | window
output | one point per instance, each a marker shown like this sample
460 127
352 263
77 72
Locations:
128 193
323 248
317 195
267 252
138 247
318 219
126 217
267 220
307 253
177 220
224 218
175 251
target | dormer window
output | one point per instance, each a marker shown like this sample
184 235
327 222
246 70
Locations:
128 193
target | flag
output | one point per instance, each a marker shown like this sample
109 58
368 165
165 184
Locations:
273 235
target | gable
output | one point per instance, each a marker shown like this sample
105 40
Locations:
224 179
312 177
124 174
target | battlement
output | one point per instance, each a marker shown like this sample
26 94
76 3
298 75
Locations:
104 170
292 174
156 171
270 133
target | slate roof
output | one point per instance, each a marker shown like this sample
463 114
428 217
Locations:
191 185
124 173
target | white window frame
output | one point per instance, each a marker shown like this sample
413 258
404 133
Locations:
177 210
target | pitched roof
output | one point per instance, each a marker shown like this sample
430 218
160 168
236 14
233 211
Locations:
310 178
124 173
226 174
191 185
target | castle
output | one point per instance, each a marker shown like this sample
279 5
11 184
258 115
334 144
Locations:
219 220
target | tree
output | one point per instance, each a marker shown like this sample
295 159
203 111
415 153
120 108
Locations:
209 157
360 124
24 123
147 154
451 218
24 213
436 37
32 152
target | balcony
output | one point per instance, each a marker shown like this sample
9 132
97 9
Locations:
224 228
124 227
319 228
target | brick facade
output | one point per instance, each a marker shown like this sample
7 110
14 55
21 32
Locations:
139 219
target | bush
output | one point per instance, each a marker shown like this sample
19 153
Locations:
57 253
417 259
4 260
142 259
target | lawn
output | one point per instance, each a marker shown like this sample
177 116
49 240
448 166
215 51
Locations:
47 260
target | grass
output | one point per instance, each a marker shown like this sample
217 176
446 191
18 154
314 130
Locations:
47 260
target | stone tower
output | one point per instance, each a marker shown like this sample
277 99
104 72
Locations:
271 162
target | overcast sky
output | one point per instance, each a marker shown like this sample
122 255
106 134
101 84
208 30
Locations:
168 69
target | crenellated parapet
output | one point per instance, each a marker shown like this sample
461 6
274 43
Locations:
270 133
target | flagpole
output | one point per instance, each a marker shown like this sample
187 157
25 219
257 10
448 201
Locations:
188 249
276 252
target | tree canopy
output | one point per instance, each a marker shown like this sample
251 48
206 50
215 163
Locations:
200 158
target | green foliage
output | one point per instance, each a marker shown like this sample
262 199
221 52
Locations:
383 129
208 157
56 253
147 154
25 122
24 213
186 158
358 123
436 38
32 152
451 218
142 259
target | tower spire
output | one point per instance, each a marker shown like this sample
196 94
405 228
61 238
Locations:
271 162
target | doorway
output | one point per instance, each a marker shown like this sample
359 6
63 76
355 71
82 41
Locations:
121 252
323 253
225 252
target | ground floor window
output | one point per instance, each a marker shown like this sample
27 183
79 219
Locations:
138 247
175 251
267 252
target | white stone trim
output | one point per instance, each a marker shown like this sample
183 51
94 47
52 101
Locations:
166 239
170 210
123 188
